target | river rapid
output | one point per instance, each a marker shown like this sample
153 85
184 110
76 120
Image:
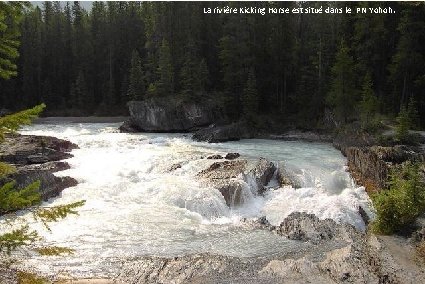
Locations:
135 206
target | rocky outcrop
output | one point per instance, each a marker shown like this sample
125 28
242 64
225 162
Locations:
334 253
230 177
230 132
307 227
370 166
29 149
36 158
170 115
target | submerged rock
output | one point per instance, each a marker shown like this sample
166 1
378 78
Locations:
232 177
170 115
230 132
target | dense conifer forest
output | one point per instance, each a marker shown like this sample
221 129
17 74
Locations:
295 67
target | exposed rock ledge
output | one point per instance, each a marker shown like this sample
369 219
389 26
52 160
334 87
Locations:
37 158
343 255
371 164
170 115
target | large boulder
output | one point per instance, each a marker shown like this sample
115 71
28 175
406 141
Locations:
232 177
230 132
302 226
171 115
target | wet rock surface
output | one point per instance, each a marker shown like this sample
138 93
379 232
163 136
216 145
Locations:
342 255
307 227
36 158
170 115
230 177
230 132
30 149
371 166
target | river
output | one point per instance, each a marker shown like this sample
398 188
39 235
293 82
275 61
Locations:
136 207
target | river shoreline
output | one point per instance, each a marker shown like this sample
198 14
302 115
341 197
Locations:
270 270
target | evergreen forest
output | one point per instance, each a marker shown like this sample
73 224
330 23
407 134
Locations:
294 67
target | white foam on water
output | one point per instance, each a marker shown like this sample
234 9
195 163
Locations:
137 206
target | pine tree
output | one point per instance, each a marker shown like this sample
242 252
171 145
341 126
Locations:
403 125
202 77
250 97
10 15
369 102
412 111
342 96
136 89
165 84
189 73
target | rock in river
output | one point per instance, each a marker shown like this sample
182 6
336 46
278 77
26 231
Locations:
230 132
233 177
170 115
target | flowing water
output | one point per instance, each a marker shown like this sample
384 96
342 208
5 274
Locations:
135 206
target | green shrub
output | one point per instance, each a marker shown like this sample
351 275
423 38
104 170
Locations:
398 207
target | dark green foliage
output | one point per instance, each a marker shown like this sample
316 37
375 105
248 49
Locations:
17 238
398 207
368 105
136 88
165 84
343 94
412 112
250 97
12 199
80 62
10 14
11 123
403 125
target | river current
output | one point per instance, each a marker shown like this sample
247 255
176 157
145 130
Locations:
135 206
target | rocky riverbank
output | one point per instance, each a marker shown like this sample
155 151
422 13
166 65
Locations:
337 253
37 158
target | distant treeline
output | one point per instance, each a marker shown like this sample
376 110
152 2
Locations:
292 66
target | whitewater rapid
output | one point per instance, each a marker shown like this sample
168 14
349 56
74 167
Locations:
135 206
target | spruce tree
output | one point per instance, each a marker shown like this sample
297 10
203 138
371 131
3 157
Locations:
10 15
342 96
136 88
403 125
369 102
412 111
189 73
250 97
202 76
165 84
